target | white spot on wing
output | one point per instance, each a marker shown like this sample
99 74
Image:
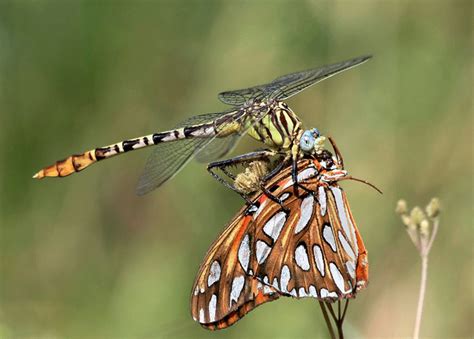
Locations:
312 291
285 278
306 213
212 308
284 196
237 286
214 273
326 294
345 245
293 293
329 237
273 226
301 258
341 211
244 253
275 283
267 289
337 277
318 257
196 290
322 200
305 174
253 209
302 292
262 251
261 208
350 266
201 316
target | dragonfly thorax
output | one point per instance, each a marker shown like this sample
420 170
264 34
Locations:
277 125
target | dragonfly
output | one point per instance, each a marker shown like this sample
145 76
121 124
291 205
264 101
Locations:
258 111
308 247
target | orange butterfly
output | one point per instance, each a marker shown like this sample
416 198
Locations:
307 247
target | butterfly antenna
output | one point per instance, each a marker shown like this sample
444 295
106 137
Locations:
350 177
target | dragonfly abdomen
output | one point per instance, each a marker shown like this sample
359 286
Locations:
78 162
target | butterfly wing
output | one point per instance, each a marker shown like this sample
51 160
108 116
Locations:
311 248
224 291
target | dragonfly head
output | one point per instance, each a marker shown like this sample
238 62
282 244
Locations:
309 140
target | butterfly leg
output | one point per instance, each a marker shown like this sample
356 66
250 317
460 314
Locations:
241 159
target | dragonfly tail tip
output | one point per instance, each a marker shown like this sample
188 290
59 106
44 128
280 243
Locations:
38 175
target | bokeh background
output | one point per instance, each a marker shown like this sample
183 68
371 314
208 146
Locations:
84 257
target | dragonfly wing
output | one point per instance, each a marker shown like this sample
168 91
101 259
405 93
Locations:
241 96
217 148
288 85
166 161
169 157
203 118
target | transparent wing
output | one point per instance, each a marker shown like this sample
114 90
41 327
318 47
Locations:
166 161
169 157
218 148
288 85
241 96
203 118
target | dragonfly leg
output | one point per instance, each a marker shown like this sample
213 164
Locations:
224 182
241 159
270 175
294 175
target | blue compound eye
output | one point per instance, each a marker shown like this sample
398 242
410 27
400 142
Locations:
307 141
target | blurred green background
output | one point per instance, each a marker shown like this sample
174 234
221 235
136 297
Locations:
83 257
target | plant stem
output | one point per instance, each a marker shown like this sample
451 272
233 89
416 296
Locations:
421 296
433 235
328 321
340 318
425 251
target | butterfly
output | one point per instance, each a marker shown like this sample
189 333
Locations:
308 246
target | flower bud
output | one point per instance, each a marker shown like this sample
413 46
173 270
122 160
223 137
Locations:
407 221
434 208
417 215
424 227
401 207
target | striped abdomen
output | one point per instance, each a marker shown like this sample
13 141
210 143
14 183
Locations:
78 162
